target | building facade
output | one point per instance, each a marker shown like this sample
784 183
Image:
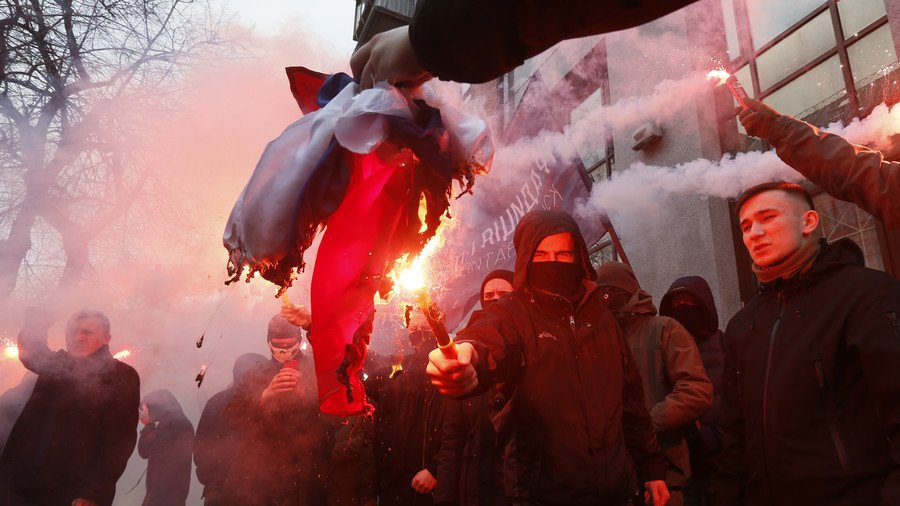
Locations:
819 60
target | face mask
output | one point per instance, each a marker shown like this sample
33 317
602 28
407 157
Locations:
617 299
692 318
559 278
283 354
486 303
420 338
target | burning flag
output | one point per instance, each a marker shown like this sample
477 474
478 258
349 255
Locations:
357 165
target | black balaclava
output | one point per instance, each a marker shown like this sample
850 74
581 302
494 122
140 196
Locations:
559 278
497 274
701 321
421 339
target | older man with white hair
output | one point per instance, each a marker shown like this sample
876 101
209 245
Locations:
72 441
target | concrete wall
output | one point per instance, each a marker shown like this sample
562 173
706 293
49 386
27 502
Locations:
692 235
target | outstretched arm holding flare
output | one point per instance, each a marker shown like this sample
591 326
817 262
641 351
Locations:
844 170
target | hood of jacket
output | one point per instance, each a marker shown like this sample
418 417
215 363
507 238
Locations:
246 363
163 405
497 274
699 288
533 228
619 275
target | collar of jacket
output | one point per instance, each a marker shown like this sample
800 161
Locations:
98 363
557 303
840 253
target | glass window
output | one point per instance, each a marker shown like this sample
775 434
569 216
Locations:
872 56
770 18
858 14
743 77
593 152
841 219
731 36
796 50
568 54
603 251
820 86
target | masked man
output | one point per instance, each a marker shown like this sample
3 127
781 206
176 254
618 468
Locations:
284 448
408 418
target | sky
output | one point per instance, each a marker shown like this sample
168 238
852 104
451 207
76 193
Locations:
331 20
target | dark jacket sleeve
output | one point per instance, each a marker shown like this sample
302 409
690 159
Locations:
475 41
148 442
843 170
205 443
36 356
874 334
730 479
119 425
450 455
640 438
497 341
692 391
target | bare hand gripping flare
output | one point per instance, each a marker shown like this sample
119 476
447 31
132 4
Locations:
357 165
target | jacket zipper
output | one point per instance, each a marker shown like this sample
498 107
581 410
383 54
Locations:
769 357
425 435
829 415
765 401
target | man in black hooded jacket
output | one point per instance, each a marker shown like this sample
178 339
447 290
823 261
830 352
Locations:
573 411
409 415
811 404
167 442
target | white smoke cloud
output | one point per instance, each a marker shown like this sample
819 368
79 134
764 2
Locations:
643 189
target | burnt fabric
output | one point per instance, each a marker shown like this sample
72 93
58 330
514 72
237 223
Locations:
705 442
215 441
409 414
573 422
167 444
283 450
77 431
676 389
811 403
473 42
470 458
361 164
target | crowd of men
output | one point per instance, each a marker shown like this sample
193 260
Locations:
569 388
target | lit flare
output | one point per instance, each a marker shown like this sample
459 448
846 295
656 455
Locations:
11 352
122 354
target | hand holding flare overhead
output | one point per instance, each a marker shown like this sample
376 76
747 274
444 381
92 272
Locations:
359 163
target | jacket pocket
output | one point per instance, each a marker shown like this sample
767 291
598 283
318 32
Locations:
827 400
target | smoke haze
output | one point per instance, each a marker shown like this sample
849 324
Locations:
159 275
